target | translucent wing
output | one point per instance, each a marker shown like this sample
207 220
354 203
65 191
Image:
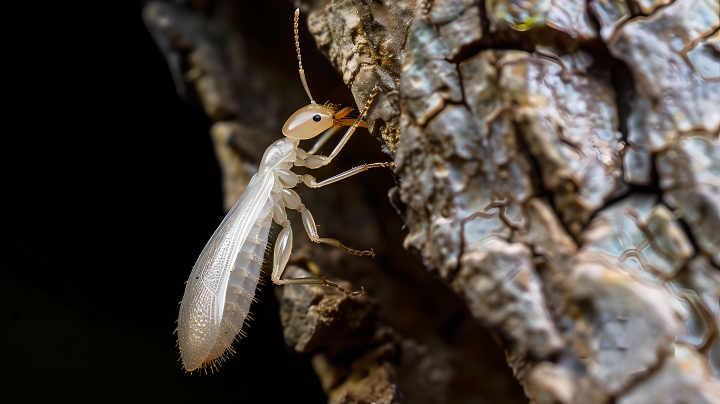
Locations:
202 305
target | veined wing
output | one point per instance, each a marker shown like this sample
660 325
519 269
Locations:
203 302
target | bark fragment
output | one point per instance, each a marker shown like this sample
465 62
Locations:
459 24
610 14
567 16
685 375
705 57
499 283
673 98
697 290
642 240
689 171
365 41
628 328
317 317
605 316
425 57
359 358
568 117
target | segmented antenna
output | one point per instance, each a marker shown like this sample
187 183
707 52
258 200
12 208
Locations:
297 49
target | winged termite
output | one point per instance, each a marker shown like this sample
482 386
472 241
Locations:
222 283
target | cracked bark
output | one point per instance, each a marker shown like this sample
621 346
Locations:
578 272
560 174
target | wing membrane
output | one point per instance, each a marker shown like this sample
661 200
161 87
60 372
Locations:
203 302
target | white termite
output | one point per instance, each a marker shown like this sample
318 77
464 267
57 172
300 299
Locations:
222 283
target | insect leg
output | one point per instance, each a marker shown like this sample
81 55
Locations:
311 230
283 248
319 281
310 181
292 200
319 161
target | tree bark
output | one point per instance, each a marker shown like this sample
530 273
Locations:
559 176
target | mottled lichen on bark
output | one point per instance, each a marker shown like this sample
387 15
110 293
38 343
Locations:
613 304
568 118
365 41
462 172
686 374
640 239
673 98
689 171
499 283
508 17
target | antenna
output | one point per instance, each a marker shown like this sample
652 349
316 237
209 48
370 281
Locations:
297 49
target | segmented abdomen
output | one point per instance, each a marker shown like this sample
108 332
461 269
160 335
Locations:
242 283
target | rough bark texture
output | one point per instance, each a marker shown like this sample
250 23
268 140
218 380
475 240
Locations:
508 178
559 166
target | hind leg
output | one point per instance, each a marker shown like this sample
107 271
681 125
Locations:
283 249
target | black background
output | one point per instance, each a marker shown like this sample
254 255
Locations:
110 191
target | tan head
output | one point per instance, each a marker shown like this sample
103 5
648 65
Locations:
313 119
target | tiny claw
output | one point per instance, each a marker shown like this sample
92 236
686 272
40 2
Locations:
366 253
342 289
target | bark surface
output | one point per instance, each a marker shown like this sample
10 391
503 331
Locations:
559 176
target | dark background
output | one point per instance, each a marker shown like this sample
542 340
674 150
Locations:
110 191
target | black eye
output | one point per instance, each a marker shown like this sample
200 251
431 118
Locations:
317 118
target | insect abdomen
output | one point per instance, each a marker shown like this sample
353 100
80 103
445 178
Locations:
242 283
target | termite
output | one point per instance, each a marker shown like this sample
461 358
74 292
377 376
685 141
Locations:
222 283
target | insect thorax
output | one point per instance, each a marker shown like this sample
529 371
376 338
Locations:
280 154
